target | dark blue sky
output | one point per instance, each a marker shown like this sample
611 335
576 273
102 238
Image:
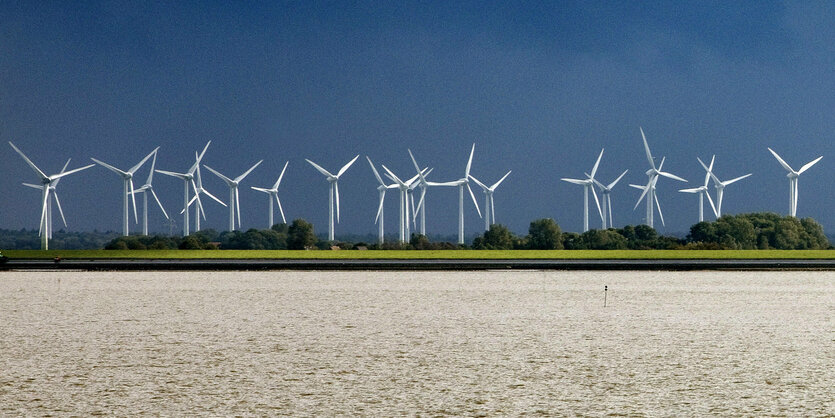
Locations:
540 87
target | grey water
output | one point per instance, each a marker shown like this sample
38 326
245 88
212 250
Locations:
408 343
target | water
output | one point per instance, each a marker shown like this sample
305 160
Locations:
385 343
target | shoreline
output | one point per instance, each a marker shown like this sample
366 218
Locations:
415 264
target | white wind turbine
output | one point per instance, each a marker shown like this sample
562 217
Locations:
424 184
127 179
234 197
464 182
380 218
489 206
145 189
702 191
46 183
198 190
273 193
405 203
653 173
607 199
588 184
720 185
188 180
334 190
53 193
793 175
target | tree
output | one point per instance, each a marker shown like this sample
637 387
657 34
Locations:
498 237
603 239
544 234
300 235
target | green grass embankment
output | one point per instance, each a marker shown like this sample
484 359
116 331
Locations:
441 254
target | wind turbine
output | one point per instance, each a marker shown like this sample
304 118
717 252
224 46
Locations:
653 173
720 185
46 181
424 184
334 190
379 219
148 187
188 180
702 191
793 175
489 207
462 183
273 192
405 203
234 197
198 190
53 194
127 178
588 185
607 199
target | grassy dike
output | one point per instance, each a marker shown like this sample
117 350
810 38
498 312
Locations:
428 255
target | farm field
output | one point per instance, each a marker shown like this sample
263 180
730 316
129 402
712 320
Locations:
415 254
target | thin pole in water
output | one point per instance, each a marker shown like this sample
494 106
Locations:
605 294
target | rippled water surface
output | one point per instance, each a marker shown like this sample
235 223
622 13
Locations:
384 343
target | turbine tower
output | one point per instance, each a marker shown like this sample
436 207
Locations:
653 173
234 197
489 207
379 219
188 180
607 199
46 181
334 190
273 193
588 185
702 192
148 187
793 175
720 185
127 178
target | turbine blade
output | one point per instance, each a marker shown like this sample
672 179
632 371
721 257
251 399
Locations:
469 163
575 181
136 167
596 164
154 194
260 189
63 170
695 190
612 184
493 187
34 186
280 176
609 210
809 165
492 210
672 176
61 211
646 189
712 206
380 206
417 167
780 160
422 197
737 179
110 167
43 210
474 201
28 161
374 169
596 202
661 215
480 184
346 166
280 209
213 197
67 173
392 175
180 176
153 166
227 180
320 169
646 148
242 176
133 199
